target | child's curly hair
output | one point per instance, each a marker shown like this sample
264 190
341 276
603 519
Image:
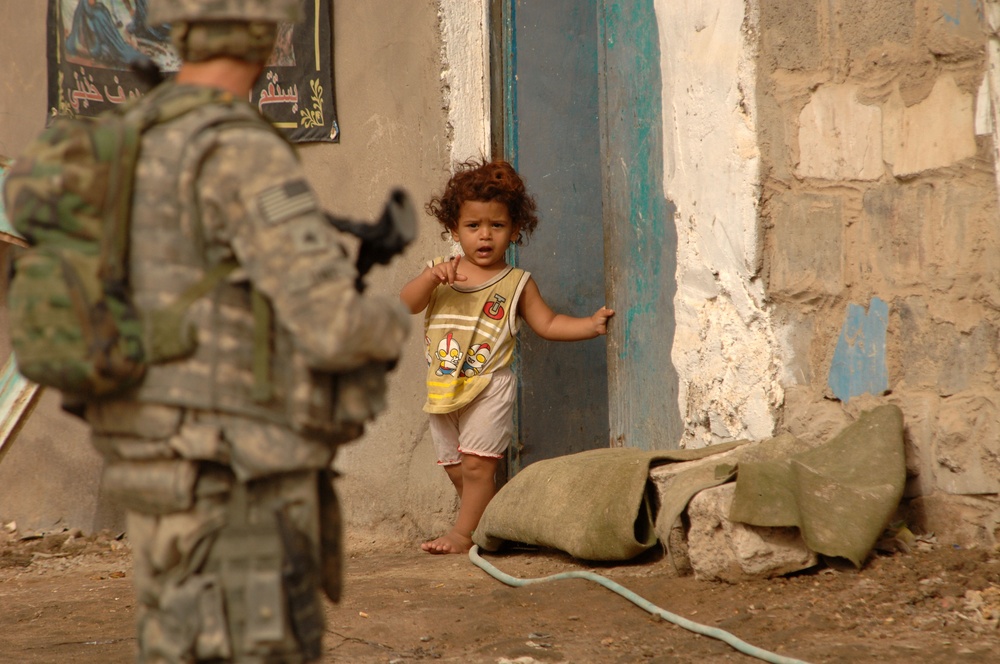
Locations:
482 180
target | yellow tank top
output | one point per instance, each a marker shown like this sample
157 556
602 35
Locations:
469 332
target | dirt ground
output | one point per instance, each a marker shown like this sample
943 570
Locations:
66 598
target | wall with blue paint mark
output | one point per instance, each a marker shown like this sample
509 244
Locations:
859 360
836 212
881 250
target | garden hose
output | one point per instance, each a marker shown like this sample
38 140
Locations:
697 628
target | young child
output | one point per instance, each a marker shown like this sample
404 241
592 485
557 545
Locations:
472 304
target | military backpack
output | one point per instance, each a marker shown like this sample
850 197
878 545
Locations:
73 324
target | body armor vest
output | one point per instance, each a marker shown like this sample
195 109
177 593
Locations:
169 253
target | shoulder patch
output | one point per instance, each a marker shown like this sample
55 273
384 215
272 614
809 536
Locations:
287 200
310 235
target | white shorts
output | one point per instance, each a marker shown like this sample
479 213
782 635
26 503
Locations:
483 428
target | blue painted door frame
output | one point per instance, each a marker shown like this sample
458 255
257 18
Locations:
577 111
640 238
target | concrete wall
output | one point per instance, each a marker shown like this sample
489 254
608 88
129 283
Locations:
397 128
724 347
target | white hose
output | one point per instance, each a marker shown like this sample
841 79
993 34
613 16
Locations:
704 630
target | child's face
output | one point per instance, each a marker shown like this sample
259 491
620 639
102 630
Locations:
484 231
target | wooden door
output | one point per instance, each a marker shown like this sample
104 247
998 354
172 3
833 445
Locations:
576 110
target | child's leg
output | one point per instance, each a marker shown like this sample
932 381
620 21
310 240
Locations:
477 489
479 434
455 475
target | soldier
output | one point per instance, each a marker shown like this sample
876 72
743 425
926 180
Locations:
222 458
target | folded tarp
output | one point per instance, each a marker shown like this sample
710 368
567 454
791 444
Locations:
840 495
594 505
598 505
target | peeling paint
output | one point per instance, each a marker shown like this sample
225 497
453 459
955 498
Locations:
724 348
464 76
859 365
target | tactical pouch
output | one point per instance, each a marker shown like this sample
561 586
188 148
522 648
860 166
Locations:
151 487
330 539
192 621
247 559
168 334
269 578
300 580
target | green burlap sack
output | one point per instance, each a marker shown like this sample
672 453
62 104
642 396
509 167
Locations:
594 505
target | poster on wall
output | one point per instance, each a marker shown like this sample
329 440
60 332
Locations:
92 42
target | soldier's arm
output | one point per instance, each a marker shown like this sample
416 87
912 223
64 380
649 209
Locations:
255 198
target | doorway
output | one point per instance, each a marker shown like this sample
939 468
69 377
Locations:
576 108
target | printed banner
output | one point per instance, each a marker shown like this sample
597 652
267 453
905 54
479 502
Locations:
92 42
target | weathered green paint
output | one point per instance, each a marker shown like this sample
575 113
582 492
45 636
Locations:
18 397
640 240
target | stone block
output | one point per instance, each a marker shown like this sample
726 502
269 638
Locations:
790 35
922 234
805 246
885 246
858 366
951 27
796 335
934 133
839 137
874 24
663 480
984 109
966 521
947 349
920 414
722 550
967 445
811 418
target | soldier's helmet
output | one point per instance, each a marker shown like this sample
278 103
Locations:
204 29
196 11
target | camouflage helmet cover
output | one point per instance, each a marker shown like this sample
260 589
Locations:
258 11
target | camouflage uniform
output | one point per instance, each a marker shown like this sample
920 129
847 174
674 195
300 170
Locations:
222 459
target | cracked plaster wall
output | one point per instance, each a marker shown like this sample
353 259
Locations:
725 342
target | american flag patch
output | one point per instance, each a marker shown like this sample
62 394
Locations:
283 202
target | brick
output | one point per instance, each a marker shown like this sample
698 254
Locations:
967 445
934 133
805 245
790 34
839 137
941 236
876 23
948 349
966 521
920 414
951 27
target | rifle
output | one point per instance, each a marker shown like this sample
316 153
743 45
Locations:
387 237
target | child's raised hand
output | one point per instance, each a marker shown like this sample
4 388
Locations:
601 319
447 272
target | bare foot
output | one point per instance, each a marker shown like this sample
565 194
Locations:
450 542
